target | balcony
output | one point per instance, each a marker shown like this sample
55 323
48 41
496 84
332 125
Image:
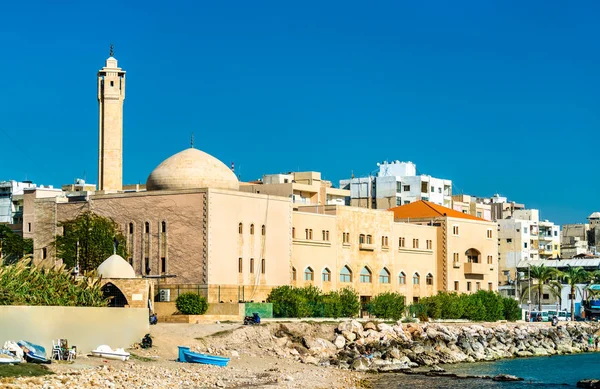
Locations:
476 268
545 237
366 246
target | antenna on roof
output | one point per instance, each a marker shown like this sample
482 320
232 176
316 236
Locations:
192 140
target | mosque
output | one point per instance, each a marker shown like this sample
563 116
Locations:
196 228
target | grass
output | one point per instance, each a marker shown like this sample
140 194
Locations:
24 370
140 358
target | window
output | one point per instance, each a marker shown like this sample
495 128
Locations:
293 232
454 230
456 257
325 235
456 286
361 238
432 189
400 242
240 228
415 243
384 276
406 202
508 240
28 227
525 244
306 233
345 274
555 233
571 296
490 259
263 266
326 275
163 226
402 278
365 275
415 300
131 228
545 296
293 274
468 286
251 265
44 253
251 229
429 279
478 214
424 187
478 286
163 265
369 239
406 188
429 244
525 231
472 256
384 241
147 265
309 274
310 235
489 234
555 247
345 237
112 83
490 286
398 186
398 201
263 230
416 279
240 265
147 227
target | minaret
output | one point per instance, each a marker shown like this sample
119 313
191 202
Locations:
111 94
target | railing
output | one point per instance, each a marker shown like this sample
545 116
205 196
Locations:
476 268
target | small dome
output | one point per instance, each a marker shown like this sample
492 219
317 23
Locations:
192 169
595 215
115 267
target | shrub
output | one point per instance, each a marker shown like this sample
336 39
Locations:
332 305
350 302
480 306
289 302
388 305
512 310
191 304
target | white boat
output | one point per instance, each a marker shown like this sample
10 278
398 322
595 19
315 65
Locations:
6 357
105 351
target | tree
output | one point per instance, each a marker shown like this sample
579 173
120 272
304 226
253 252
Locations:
387 305
12 246
95 237
574 276
545 280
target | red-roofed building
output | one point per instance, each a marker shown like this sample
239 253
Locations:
467 245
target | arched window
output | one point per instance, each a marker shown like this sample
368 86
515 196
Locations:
263 229
309 274
114 294
402 278
384 276
429 279
293 232
147 227
251 265
326 275
361 238
240 265
163 226
240 228
365 275
416 279
293 274
131 228
251 229
263 266
346 274
473 256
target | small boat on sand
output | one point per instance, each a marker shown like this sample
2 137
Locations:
33 352
6 357
185 355
105 351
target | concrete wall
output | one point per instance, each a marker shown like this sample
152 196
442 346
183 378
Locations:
84 327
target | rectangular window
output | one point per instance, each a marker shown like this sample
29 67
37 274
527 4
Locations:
477 286
147 265
406 202
555 233
455 257
251 265
361 238
147 228
508 240
398 201
240 265
326 276
369 239
406 188
429 244
293 232
310 235
415 300
263 266
44 253
490 259
454 230
163 265
545 296
294 273
306 233
478 214
28 227
489 234
491 286
432 189
415 243
400 242
398 186
424 187
468 286
555 247
384 241
456 286
131 228
324 237
525 245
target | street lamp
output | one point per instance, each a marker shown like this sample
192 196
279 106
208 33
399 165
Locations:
529 288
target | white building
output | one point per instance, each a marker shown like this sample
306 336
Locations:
396 183
11 201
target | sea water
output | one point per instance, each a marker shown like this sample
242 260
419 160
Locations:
548 372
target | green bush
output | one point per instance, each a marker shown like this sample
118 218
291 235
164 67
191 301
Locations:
191 304
388 305
350 302
311 302
512 310
289 302
480 306
26 284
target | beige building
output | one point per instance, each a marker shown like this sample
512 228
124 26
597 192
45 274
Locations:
469 205
467 246
336 247
304 188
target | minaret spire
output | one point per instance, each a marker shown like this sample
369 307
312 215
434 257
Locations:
192 140
112 50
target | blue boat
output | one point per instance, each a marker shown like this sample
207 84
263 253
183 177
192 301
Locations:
33 352
185 355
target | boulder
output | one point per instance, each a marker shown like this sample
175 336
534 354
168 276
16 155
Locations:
310 360
349 335
370 326
588 384
360 364
339 341
350 325
506 378
318 345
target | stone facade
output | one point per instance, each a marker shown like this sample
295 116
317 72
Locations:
136 290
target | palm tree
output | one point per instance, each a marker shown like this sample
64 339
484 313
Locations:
544 277
574 276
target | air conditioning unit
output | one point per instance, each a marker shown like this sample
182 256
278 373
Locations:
164 295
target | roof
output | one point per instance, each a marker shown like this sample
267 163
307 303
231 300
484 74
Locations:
424 209
595 215
116 267
588 262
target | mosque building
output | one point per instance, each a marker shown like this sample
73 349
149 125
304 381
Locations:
194 228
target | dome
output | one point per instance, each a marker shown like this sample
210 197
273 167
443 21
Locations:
116 267
595 215
192 169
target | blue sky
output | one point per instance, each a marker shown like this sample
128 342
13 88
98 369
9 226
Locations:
499 96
